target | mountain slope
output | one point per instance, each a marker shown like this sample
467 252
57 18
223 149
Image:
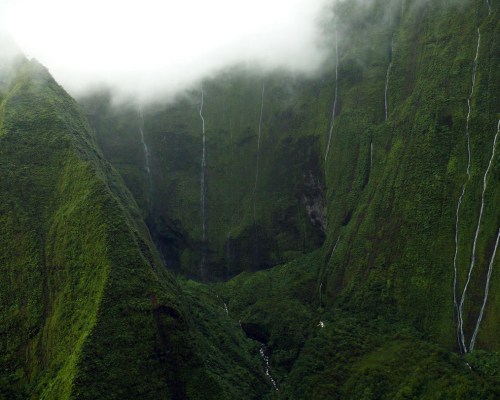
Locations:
87 308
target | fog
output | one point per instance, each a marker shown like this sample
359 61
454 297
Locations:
152 47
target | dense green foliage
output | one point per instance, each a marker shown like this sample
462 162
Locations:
366 348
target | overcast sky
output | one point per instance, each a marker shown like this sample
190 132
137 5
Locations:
153 45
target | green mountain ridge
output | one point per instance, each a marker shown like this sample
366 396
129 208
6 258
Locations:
88 310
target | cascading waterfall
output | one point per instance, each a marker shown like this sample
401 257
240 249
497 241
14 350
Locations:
257 178
146 154
266 361
371 155
490 267
336 91
228 253
473 257
203 189
258 151
489 6
387 77
459 309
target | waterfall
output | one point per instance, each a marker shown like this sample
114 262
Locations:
459 309
258 151
203 189
336 91
228 254
266 361
489 7
371 155
473 257
146 155
490 267
333 250
387 76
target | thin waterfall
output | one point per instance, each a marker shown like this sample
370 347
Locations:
258 151
473 257
489 7
146 155
262 352
490 267
228 253
203 189
387 76
333 250
371 155
459 309
336 91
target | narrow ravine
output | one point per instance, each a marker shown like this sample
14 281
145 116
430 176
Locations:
336 92
490 267
203 190
459 309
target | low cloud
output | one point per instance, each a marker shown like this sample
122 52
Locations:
153 47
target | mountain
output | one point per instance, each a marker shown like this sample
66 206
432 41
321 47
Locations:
343 225
87 308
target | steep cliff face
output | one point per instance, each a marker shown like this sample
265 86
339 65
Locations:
251 197
397 138
409 257
381 139
443 105
87 309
